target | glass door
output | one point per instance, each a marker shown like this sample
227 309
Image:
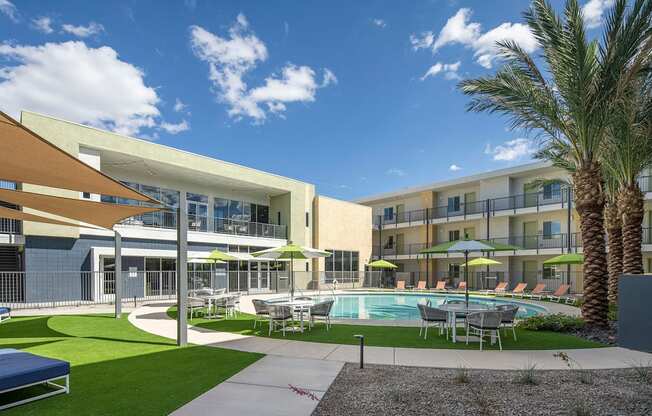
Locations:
253 275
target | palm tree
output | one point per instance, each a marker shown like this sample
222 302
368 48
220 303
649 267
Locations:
613 225
570 108
628 152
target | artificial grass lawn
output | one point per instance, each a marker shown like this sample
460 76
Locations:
116 369
393 336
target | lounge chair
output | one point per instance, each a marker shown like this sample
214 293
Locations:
19 369
500 288
262 310
461 285
5 314
278 316
539 292
421 285
482 322
400 285
508 317
560 293
321 310
432 316
518 290
441 285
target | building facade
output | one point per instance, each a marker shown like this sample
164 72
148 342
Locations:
233 208
528 206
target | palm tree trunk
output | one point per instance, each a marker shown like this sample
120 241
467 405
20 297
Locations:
613 223
631 206
589 202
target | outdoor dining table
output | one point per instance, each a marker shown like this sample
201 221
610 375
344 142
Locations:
455 309
300 306
212 304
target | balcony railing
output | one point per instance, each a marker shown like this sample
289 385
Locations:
647 235
167 219
645 183
9 226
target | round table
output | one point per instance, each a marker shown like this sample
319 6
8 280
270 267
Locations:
455 309
300 306
212 303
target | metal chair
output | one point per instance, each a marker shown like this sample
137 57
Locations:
262 309
321 310
278 316
194 304
481 322
432 315
508 317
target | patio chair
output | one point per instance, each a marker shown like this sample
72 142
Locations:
482 322
231 304
195 304
5 314
508 317
321 310
400 285
441 285
302 298
500 288
560 293
262 309
461 285
518 290
432 316
421 285
278 316
539 291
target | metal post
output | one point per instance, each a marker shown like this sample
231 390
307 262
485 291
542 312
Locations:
361 338
466 277
118 274
569 216
427 255
182 270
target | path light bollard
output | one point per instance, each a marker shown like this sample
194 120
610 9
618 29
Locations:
361 338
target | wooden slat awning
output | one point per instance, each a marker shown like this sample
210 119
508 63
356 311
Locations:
15 214
27 157
91 212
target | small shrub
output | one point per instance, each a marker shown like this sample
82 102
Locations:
584 376
581 409
461 375
612 315
557 322
642 371
527 375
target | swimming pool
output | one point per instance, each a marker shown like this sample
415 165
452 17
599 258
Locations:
403 306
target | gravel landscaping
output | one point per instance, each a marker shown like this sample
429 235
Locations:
395 390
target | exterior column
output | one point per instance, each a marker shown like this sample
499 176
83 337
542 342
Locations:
182 271
118 274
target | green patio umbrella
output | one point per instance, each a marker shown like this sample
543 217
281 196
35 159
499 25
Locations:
382 264
481 261
570 258
467 246
291 252
220 255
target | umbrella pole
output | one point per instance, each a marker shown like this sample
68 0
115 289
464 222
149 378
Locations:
292 277
466 277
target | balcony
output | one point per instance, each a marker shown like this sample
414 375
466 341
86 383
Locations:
9 226
167 219
645 183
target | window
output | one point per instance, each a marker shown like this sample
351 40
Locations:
262 214
453 235
86 195
388 213
469 233
307 266
342 261
551 229
454 270
549 272
552 190
454 204
108 266
221 208
307 219
390 242
278 217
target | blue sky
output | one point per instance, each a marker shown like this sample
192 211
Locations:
355 97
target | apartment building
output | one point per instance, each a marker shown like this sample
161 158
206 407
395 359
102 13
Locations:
528 206
232 208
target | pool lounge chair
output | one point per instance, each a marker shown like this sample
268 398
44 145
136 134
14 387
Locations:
518 290
538 292
560 294
421 285
500 288
20 369
5 314
400 285
461 285
441 285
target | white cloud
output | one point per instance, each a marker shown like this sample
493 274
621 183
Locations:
459 30
449 71
172 128
230 59
180 106
454 168
102 91
511 150
43 24
395 172
379 22
593 10
8 9
83 31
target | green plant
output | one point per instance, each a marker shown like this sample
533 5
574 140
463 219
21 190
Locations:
527 375
642 371
581 409
585 376
613 312
461 375
557 322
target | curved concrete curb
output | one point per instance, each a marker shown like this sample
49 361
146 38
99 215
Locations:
153 318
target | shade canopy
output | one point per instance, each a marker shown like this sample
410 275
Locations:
292 252
29 158
382 264
570 258
91 212
467 246
220 256
205 261
481 261
15 214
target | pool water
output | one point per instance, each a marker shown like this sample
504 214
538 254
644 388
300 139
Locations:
393 306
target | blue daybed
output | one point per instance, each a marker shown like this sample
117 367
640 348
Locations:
5 313
19 369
